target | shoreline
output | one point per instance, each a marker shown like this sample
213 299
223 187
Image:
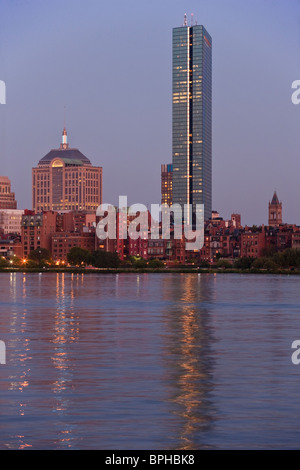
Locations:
149 271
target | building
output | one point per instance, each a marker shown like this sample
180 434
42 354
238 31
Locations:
63 242
192 117
253 244
10 220
138 248
166 184
66 180
7 198
275 212
37 229
215 215
236 220
10 248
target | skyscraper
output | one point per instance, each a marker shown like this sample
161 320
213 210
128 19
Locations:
166 184
66 180
7 198
192 117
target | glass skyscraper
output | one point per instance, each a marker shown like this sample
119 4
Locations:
192 117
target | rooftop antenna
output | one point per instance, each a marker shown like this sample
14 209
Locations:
64 143
185 20
65 116
192 19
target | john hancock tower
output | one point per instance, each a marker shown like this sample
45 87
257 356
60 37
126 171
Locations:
192 117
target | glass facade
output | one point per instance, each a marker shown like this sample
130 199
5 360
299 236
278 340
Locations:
192 117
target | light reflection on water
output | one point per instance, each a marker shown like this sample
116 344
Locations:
148 361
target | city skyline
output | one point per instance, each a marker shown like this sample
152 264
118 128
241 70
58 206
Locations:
135 134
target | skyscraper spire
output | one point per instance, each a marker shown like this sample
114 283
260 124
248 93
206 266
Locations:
64 144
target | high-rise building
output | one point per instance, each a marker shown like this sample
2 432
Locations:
192 117
66 180
7 198
275 211
166 184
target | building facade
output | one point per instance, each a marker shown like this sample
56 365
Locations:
37 229
63 242
7 198
167 184
10 220
66 180
192 117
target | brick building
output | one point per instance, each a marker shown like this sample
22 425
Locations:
37 229
63 242
253 244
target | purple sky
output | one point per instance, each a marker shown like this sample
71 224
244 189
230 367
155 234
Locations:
110 64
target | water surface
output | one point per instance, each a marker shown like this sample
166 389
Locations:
149 361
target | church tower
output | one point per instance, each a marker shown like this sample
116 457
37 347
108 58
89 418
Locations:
275 212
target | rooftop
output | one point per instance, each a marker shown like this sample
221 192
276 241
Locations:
70 156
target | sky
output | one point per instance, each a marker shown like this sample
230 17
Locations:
107 65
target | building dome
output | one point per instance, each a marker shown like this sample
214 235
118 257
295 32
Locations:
70 157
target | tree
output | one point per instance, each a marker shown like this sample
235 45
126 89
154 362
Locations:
192 261
78 256
223 263
265 263
40 256
105 259
243 263
140 263
204 264
155 264
3 262
291 257
17 261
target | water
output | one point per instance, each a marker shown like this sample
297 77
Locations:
149 361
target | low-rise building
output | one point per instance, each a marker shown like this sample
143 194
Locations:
10 220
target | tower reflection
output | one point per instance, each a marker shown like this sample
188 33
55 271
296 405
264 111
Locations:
189 357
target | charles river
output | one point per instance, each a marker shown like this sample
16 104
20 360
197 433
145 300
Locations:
149 361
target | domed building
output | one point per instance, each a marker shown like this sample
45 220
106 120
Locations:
64 180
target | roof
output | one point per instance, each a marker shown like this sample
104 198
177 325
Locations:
69 156
275 199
